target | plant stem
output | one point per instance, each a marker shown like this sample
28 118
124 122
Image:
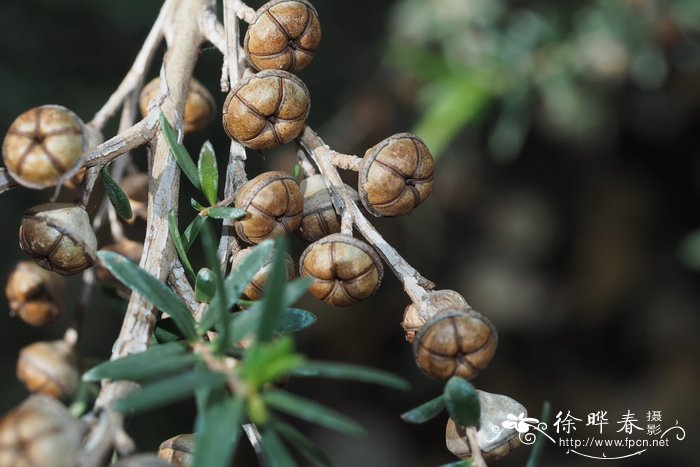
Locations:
477 458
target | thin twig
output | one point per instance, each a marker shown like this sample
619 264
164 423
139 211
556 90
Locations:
6 182
307 167
477 458
135 76
135 136
414 283
345 161
178 281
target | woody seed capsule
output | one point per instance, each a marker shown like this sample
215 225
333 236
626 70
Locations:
415 316
455 343
142 460
396 175
40 432
200 107
319 218
59 237
267 109
178 450
273 205
46 145
34 294
344 270
49 368
283 35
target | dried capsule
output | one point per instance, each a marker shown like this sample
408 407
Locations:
344 270
200 107
267 109
135 186
49 368
283 36
178 450
58 236
395 175
40 432
415 316
46 145
254 290
495 441
274 205
34 294
142 460
455 342
319 218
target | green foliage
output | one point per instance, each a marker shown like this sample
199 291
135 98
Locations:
462 402
333 370
536 453
179 152
208 172
116 195
174 232
224 212
301 443
205 285
426 411
220 429
192 231
155 361
689 250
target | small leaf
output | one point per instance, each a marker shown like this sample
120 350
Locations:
137 366
294 320
312 412
273 301
462 402
270 362
296 289
297 171
208 172
218 303
425 412
334 370
225 213
219 432
274 450
179 245
168 390
195 204
182 157
301 443
205 286
116 195
192 231
166 331
151 289
290 320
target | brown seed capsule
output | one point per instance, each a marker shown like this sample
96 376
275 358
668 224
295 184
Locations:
283 35
49 368
40 432
255 289
135 187
35 294
274 205
46 145
415 317
344 270
395 175
142 460
455 343
267 109
200 107
58 236
494 440
132 250
320 218
178 450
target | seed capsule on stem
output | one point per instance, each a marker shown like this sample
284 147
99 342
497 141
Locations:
416 315
59 237
49 368
344 270
34 294
178 450
200 107
255 289
319 218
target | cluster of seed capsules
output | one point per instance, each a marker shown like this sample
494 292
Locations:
46 146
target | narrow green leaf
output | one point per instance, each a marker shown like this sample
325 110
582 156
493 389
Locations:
205 285
273 301
301 443
151 289
290 320
192 231
225 213
236 282
116 195
179 245
334 370
223 317
296 289
166 331
425 412
134 366
462 402
219 432
154 368
168 390
312 412
208 172
536 453
182 157
195 204
297 171
274 450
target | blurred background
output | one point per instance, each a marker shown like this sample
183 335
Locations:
566 139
